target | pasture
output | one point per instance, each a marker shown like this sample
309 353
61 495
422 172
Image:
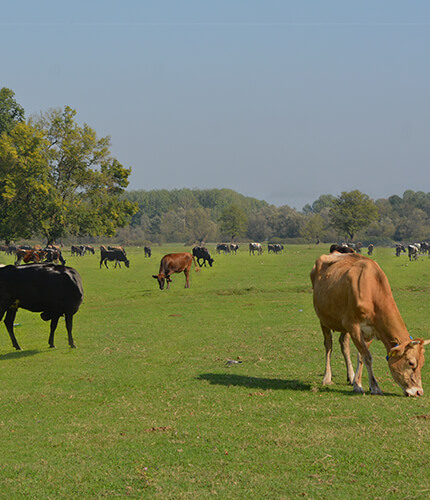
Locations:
146 406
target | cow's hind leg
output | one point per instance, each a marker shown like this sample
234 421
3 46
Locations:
187 278
69 325
344 345
54 323
8 321
328 344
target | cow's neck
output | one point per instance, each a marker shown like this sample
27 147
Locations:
392 329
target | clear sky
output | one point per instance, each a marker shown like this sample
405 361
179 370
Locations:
282 100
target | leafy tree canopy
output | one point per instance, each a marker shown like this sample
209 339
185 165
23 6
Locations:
351 212
11 112
233 222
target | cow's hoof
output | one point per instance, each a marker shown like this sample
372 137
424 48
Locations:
73 346
358 389
52 346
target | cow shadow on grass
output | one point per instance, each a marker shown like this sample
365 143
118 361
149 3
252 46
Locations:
228 379
18 354
254 382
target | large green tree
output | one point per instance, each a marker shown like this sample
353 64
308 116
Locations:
233 222
24 181
11 112
85 181
351 212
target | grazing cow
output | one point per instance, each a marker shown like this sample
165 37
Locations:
89 248
255 247
121 249
28 255
400 248
147 251
77 250
202 253
352 296
52 290
370 249
413 252
275 248
113 255
222 247
175 263
341 249
234 248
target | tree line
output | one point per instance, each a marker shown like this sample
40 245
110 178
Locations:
59 180
194 215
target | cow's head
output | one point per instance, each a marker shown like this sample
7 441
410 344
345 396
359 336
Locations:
405 362
162 278
211 261
127 263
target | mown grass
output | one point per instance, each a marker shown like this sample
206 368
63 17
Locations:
146 407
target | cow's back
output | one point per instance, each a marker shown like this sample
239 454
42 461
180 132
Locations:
41 287
175 262
350 287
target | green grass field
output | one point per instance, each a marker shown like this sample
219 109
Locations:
146 406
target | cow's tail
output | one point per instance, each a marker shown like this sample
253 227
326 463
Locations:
196 266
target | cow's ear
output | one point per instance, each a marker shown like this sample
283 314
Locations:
396 351
155 276
425 342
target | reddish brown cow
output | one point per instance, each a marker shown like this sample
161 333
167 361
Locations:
175 263
352 296
29 255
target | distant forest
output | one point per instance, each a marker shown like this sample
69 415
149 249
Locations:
214 215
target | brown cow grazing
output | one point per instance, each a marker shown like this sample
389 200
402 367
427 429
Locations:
352 296
175 263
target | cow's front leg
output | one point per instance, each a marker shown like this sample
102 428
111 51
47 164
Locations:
8 321
69 325
187 278
366 357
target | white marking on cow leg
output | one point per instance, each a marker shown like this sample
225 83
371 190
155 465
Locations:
328 344
357 387
344 345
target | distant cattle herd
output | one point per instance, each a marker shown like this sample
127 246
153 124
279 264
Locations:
351 296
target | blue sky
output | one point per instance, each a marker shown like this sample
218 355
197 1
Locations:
280 100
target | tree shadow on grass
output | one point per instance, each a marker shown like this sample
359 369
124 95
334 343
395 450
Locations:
18 354
254 382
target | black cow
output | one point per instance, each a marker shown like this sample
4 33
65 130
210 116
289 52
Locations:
275 248
222 247
116 255
400 248
77 250
341 249
148 251
202 253
52 290
234 248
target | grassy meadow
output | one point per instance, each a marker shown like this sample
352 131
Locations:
146 406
